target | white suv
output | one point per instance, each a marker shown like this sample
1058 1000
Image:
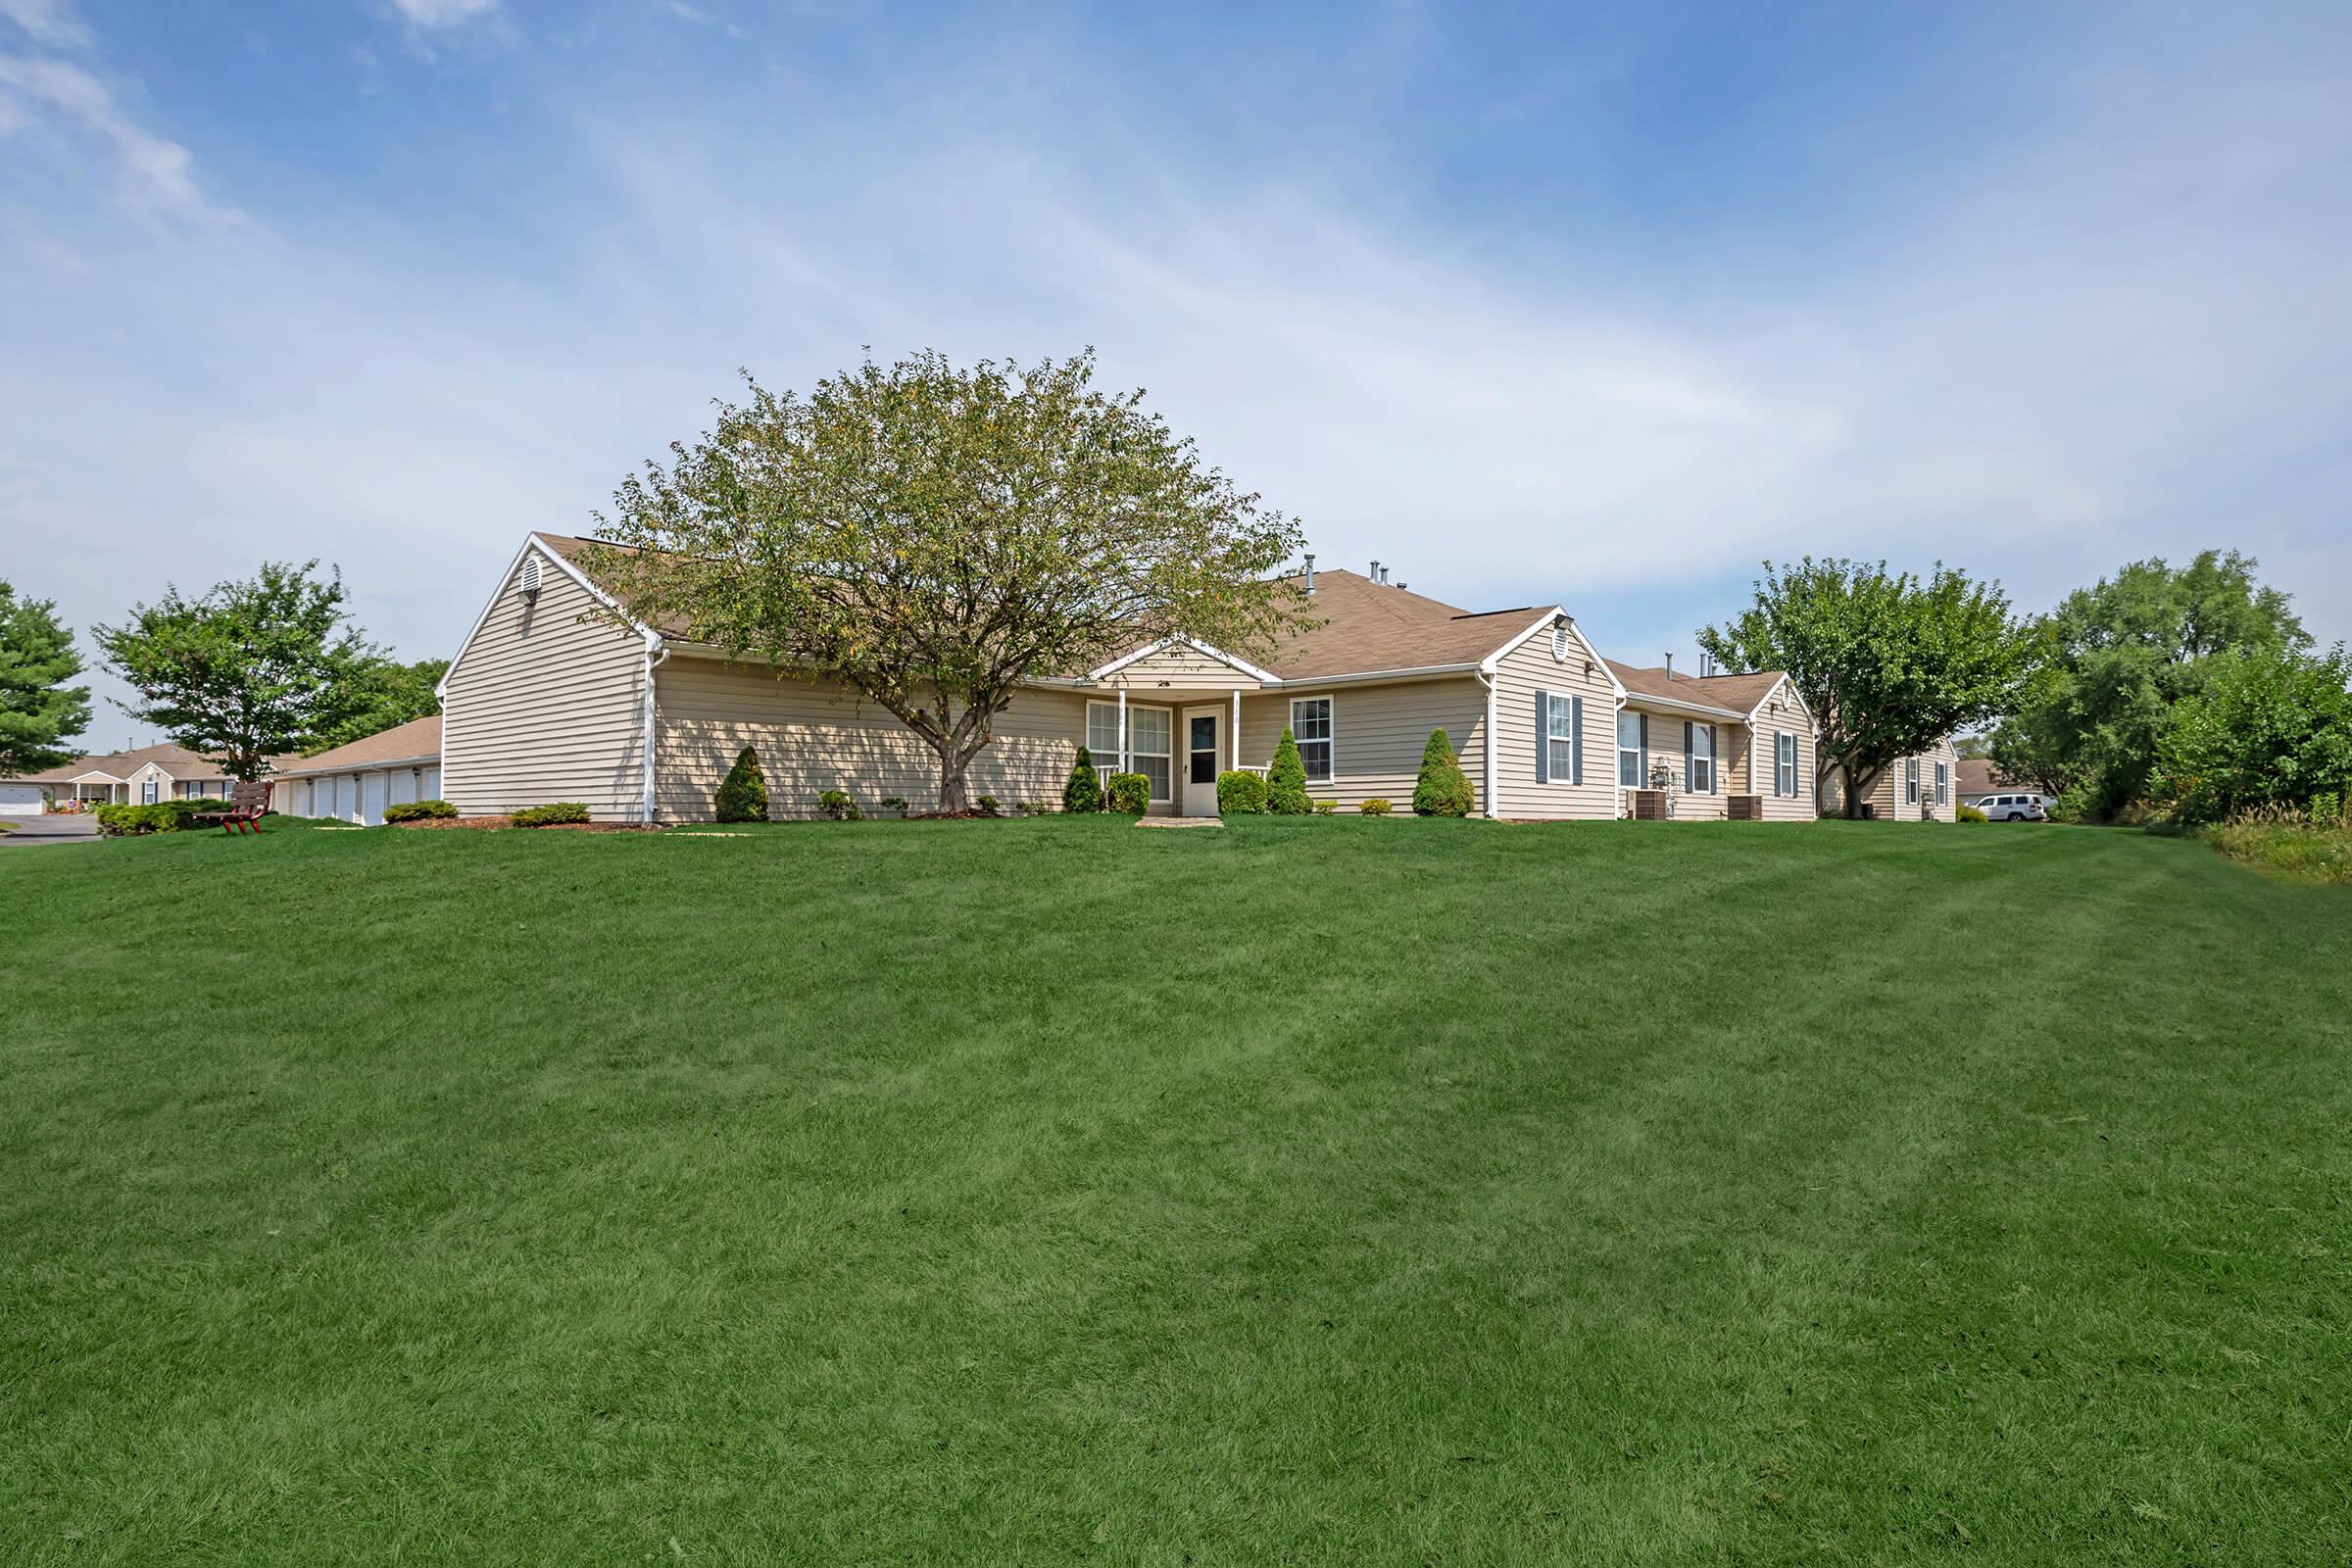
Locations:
2016 807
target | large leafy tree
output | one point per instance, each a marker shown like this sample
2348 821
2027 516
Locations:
2120 653
2272 726
936 537
37 708
1890 663
249 669
377 694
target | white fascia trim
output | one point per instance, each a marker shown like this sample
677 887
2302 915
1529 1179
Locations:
1645 700
1556 612
1193 643
432 759
1794 696
652 637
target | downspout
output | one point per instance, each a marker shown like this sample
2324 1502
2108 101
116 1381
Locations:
1487 681
655 656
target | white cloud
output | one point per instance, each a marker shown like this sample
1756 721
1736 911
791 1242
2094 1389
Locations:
157 171
442 12
50 21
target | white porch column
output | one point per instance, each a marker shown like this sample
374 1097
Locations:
1123 757
1234 746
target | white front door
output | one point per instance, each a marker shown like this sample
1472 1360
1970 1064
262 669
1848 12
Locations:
1203 741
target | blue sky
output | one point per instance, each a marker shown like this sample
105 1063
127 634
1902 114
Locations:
1603 306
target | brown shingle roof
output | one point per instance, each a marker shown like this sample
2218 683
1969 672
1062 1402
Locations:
418 737
176 761
1977 776
1732 694
1366 625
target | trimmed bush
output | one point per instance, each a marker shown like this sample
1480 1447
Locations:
1286 780
550 815
1376 806
837 805
742 795
1965 812
418 811
1130 792
1442 788
1241 793
894 803
1326 807
1035 807
1084 791
989 805
161 817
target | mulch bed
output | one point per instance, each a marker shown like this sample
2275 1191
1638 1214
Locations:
492 824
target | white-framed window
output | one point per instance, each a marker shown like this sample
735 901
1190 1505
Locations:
1629 748
1559 737
1784 763
1151 748
147 793
1310 728
1910 781
1702 760
1102 735
1943 785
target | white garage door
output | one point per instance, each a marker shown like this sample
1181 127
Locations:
371 799
432 784
404 785
19 799
347 796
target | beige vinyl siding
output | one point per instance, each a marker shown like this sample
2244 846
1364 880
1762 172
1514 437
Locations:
1783 713
1666 746
1376 735
1886 795
1182 669
542 706
821 735
1526 671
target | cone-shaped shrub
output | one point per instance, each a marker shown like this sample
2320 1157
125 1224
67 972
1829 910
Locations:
1286 780
743 794
1084 791
1443 789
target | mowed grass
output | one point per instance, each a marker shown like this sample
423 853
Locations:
1319 1192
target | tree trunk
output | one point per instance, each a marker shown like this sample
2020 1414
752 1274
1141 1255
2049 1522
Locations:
1852 786
953 798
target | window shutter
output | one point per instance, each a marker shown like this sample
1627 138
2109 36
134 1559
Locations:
1576 743
1714 762
1688 741
1642 782
1543 737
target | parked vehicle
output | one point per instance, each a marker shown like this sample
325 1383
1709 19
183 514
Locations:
2023 807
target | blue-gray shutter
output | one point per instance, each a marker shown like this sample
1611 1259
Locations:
1642 782
1688 727
1714 762
1576 742
1543 737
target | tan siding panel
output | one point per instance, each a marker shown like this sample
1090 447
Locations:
1526 671
1183 668
813 736
544 707
1377 734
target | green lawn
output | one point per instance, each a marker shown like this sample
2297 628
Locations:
1341 1191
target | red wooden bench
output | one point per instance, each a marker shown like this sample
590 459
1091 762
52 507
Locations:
246 803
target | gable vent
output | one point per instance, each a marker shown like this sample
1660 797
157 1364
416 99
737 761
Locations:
531 578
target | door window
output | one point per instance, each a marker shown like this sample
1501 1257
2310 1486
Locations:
1204 749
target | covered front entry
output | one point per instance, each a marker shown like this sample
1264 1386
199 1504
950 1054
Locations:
1203 759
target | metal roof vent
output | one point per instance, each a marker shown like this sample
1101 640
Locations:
531 578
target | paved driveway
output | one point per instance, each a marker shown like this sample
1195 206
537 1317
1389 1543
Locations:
59 829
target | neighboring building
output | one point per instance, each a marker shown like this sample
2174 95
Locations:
139 777
542 704
1977 778
1918 789
355 782
1708 742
